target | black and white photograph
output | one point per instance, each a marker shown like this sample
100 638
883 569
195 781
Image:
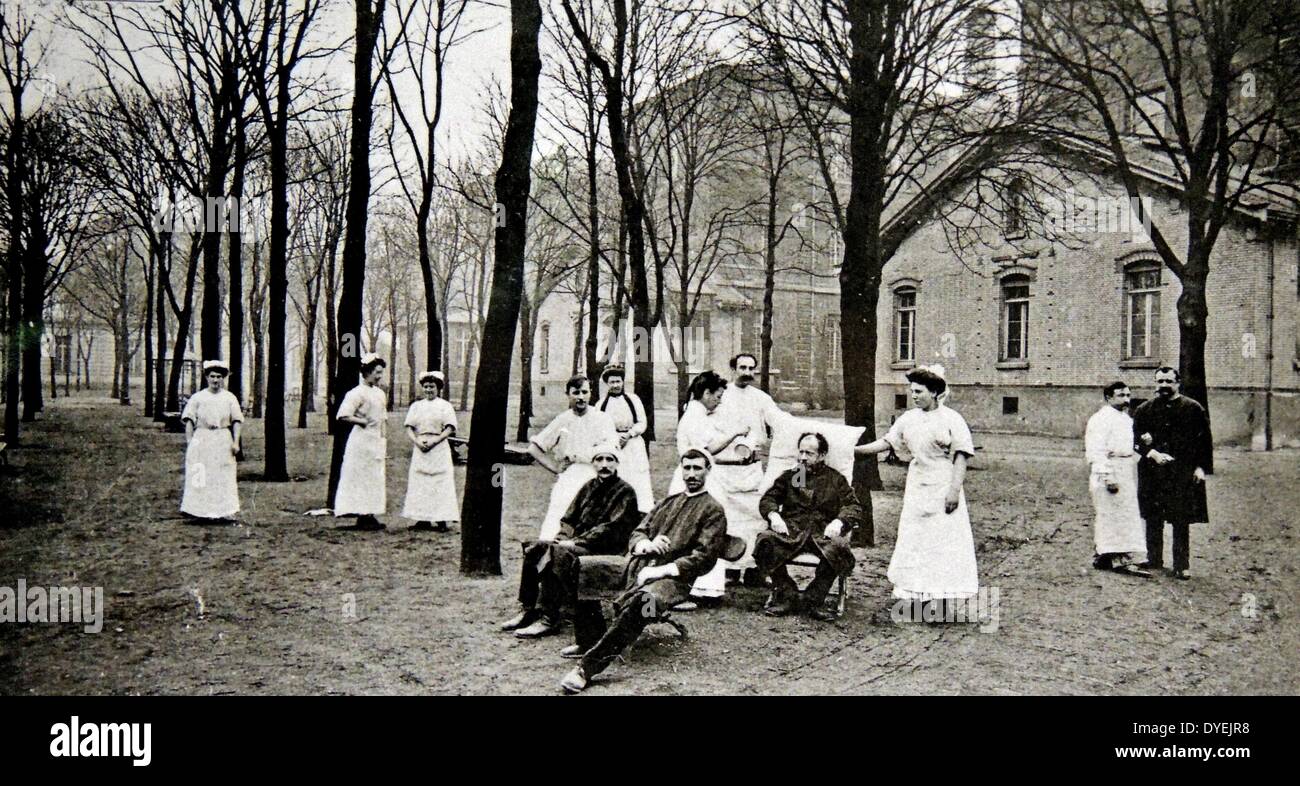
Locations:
779 348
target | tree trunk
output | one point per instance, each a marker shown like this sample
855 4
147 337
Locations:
331 339
525 370
594 365
33 325
482 505
1193 317
861 271
160 337
354 241
576 366
235 252
307 383
769 287
151 272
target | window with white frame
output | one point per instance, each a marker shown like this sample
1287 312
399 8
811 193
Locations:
1142 311
905 324
833 357
1015 318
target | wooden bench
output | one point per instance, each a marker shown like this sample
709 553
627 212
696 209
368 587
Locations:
600 578
172 423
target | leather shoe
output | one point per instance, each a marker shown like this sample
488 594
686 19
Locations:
1185 575
572 652
575 681
779 609
541 627
822 613
524 617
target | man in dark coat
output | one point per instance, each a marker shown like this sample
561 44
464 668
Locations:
1172 434
679 540
812 510
597 522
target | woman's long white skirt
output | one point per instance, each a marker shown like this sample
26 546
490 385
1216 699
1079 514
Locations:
431 486
634 467
361 489
934 556
211 488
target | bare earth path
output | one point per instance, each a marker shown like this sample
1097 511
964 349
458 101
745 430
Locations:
285 604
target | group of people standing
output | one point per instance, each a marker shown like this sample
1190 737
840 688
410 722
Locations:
721 521
1146 471
213 418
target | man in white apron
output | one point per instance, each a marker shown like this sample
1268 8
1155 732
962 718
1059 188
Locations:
1118 531
566 447
745 404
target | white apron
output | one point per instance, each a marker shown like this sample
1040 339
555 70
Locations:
1108 444
431 481
575 438
934 555
361 490
211 487
633 459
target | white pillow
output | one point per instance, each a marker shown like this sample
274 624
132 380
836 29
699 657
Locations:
783 452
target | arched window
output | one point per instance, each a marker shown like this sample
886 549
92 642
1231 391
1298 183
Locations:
1142 311
905 324
544 348
1015 318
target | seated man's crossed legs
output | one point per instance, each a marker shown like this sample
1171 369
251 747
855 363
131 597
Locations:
548 585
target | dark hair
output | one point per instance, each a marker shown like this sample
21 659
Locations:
823 446
575 382
736 359
932 381
696 453
1110 389
705 382
1170 370
366 368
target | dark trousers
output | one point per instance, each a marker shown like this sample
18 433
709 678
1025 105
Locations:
1156 544
603 645
771 563
548 580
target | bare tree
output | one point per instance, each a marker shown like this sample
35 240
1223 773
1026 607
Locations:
482 504
1199 89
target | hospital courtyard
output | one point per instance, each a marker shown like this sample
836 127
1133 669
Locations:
285 603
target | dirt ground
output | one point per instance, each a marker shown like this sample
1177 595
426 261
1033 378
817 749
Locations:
265 607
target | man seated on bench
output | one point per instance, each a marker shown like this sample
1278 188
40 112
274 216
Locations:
598 521
679 540
812 509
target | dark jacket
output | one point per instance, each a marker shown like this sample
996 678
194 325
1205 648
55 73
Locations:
601 516
809 499
1181 429
696 528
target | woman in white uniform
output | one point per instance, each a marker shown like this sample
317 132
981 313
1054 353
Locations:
212 422
431 484
628 414
361 490
701 428
934 554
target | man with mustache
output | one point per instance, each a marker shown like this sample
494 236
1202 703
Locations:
565 448
679 540
812 510
744 405
1172 434
1108 443
598 522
